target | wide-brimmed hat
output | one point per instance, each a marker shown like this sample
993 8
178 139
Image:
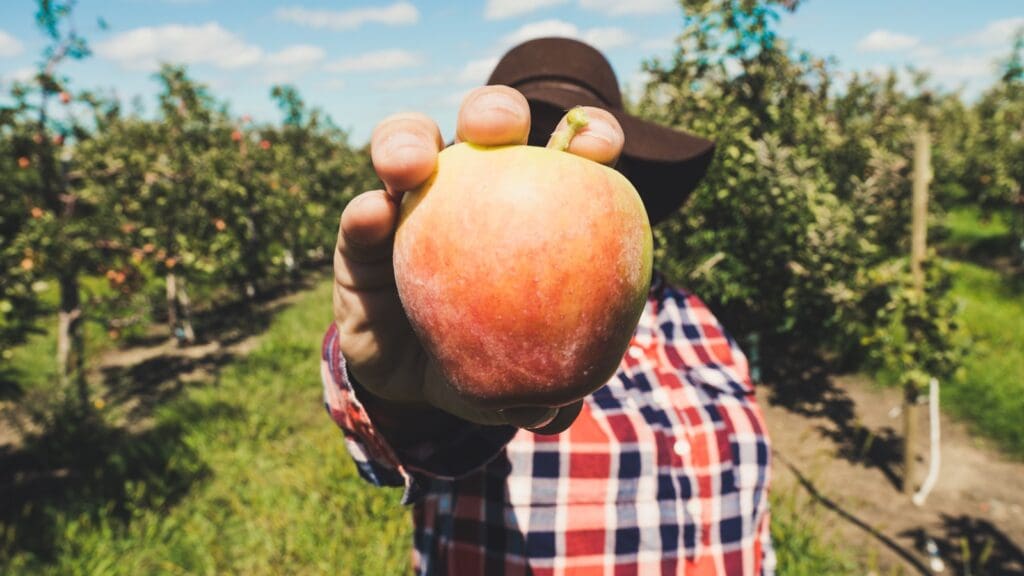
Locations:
555 74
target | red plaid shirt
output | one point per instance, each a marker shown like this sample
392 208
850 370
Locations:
665 471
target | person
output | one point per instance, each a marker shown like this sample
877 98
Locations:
664 470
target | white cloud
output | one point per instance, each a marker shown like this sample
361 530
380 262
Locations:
959 68
607 38
997 33
291 62
9 45
380 60
886 41
145 48
397 14
454 98
26 74
476 72
334 84
300 55
501 9
630 7
604 38
412 82
542 29
659 44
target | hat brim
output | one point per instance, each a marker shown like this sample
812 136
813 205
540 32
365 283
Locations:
664 165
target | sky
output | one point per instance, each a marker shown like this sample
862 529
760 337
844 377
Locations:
363 60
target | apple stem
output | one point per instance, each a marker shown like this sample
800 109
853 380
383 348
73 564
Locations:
575 121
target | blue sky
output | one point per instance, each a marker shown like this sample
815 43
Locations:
363 60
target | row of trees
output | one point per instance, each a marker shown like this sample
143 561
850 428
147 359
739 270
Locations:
800 234
123 213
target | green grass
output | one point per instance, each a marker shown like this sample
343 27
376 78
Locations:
243 473
989 391
967 234
800 546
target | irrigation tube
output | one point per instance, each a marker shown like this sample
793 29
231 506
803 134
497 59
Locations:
936 455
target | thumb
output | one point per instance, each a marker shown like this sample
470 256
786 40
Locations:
366 227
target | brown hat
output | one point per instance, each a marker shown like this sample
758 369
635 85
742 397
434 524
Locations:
556 74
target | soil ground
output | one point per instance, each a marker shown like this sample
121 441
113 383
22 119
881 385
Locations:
837 442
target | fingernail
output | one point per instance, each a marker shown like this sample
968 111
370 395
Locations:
602 131
545 420
498 101
401 140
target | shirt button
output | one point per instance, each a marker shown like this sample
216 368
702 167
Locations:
682 447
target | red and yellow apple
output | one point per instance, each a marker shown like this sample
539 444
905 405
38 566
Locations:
523 272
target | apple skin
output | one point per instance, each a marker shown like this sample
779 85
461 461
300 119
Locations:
523 272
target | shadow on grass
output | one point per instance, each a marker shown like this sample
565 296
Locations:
907 555
807 388
107 469
975 546
155 379
10 389
84 466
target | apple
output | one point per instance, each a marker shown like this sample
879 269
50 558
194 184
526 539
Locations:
236 135
523 271
24 162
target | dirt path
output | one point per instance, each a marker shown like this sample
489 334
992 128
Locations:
131 381
841 448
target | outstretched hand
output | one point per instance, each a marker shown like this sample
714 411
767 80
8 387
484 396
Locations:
380 347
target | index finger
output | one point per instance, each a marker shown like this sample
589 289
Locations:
404 150
494 116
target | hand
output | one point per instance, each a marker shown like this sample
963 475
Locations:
382 352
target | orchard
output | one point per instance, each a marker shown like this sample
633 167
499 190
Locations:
192 208
865 225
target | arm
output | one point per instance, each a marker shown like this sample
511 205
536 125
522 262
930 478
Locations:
381 386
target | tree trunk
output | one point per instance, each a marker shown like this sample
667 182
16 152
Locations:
188 334
70 342
172 304
918 251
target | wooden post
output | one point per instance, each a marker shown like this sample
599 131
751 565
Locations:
918 250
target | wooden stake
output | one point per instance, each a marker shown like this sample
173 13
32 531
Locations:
918 250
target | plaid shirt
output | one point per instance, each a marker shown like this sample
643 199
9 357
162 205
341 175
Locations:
665 471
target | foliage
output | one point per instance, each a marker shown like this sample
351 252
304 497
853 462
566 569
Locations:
219 202
913 337
806 205
998 164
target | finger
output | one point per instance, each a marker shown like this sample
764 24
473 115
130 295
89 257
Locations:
404 150
366 227
601 140
529 417
494 116
563 419
440 394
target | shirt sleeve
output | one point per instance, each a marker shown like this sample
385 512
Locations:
393 445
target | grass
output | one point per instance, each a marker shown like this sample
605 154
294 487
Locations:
968 232
989 392
240 473
800 548
986 256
